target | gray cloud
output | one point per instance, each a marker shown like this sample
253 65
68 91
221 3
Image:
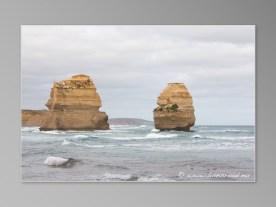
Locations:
132 64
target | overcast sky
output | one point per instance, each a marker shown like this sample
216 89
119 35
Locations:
131 65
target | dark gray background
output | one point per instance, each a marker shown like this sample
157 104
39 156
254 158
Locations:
14 13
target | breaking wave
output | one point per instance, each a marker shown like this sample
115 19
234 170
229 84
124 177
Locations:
154 179
66 142
224 130
54 132
231 138
81 136
159 135
114 177
30 129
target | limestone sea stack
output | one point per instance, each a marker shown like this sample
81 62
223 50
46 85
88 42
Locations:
175 109
33 117
74 105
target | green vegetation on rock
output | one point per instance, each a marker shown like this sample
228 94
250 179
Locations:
167 108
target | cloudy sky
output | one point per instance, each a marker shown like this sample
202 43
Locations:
131 65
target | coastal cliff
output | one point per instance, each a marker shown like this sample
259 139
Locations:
175 109
74 105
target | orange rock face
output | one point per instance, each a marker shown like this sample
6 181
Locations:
76 93
33 117
74 105
175 109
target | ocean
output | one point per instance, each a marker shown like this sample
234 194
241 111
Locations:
140 153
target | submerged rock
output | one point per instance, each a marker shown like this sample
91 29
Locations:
175 109
74 105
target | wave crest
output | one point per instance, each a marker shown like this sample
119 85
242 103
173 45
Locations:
159 135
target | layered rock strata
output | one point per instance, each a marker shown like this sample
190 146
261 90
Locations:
74 105
175 109
33 117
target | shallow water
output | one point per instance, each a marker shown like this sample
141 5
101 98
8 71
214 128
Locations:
141 153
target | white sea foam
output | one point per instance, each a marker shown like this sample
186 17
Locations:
99 146
181 174
55 132
235 130
119 125
55 161
111 176
122 138
30 129
155 130
231 138
132 145
116 127
192 147
101 133
65 142
81 136
223 130
88 145
159 135
155 178
146 137
197 136
92 146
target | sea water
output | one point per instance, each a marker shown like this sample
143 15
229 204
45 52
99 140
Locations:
141 153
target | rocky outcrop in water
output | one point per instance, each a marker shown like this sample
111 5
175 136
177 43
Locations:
175 109
33 117
74 105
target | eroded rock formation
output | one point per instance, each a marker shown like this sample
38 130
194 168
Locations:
74 105
175 109
33 117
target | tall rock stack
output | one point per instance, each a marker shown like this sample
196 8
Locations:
74 105
175 109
